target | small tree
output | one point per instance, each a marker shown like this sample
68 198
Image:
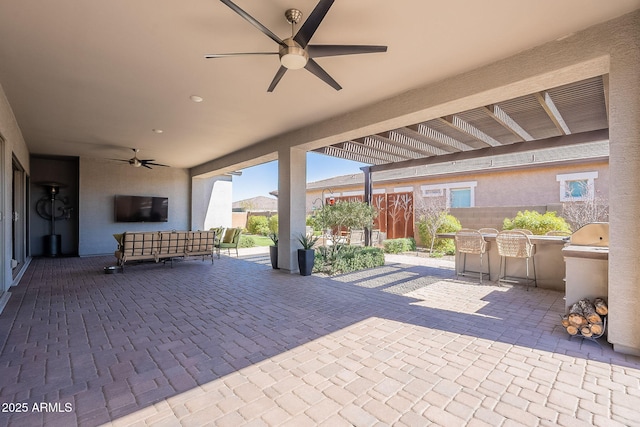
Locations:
345 214
432 213
591 209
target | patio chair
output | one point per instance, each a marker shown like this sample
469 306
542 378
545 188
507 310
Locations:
230 240
375 237
470 241
515 244
355 237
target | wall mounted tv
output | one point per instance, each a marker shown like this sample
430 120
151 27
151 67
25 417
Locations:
141 209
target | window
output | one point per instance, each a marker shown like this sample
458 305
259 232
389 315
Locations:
457 194
576 186
460 197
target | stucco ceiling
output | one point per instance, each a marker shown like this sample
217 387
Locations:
94 78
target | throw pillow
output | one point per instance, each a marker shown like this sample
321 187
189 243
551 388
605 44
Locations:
228 235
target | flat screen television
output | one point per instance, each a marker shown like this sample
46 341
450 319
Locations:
141 209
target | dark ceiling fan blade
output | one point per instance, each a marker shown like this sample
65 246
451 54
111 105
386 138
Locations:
252 21
146 162
319 72
320 50
313 22
145 166
277 78
225 55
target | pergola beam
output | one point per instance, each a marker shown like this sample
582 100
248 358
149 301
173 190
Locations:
552 111
500 116
415 141
461 125
387 146
518 147
368 151
440 137
341 153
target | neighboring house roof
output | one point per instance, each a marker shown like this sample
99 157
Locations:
567 154
255 204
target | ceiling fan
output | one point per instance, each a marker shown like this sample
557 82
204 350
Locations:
295 52
136 162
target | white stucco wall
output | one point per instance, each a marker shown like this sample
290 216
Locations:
219 207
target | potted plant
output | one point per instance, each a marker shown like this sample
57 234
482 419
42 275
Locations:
273 251
306 255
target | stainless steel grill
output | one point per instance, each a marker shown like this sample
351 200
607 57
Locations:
594 234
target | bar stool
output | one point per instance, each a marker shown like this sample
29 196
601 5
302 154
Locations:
515 244
488 230
470 241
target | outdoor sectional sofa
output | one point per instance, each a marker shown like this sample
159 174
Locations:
163 245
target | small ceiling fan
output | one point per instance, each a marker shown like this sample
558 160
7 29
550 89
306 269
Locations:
295 52
136 162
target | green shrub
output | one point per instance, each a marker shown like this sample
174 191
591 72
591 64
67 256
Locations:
536 222
246 242
258 225
448 224
273 224
347 259
396 246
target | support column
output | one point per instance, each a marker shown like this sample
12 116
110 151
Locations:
292 193
624 196
368 194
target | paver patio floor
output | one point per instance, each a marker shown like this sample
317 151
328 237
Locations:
237 343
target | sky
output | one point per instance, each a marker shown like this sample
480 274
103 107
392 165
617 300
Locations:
260 180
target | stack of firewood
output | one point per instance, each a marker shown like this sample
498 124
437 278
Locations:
586 318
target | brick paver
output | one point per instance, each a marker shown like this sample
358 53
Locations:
237 343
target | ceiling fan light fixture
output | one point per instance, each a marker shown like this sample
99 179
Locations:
292 55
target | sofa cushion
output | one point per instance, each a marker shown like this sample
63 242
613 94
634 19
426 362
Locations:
201 242
139 245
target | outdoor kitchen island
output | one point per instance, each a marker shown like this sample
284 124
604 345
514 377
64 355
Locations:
548 259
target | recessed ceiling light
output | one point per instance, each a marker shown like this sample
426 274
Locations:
157 130
196 98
